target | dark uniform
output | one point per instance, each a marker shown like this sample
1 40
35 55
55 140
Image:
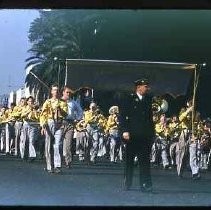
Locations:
138 121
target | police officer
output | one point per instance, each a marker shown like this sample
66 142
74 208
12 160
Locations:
138 131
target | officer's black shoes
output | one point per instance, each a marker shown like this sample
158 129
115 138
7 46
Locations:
146 188
196 176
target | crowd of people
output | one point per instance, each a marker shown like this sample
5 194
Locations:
61 128
58 130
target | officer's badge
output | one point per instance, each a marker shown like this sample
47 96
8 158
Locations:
136 99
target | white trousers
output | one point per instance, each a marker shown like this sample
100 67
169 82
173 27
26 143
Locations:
53 145
160 147
94 135
172 152
101 146
2 138
17 126
193 158
28 137
9 135
114 145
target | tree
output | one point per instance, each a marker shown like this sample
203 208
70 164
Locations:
59 33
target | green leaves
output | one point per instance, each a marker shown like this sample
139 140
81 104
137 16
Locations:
62 34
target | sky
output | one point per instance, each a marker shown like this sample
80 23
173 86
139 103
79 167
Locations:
14 43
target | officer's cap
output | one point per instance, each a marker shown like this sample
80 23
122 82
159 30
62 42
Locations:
142 81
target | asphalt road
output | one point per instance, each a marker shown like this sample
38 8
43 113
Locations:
27 184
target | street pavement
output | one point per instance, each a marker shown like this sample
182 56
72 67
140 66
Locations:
27 184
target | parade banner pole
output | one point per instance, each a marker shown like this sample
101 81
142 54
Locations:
65 82
195 84
39 79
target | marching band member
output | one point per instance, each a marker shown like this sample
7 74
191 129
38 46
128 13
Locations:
161 134
9 128
187 140
101 132
29 131
84 141
75 114
154 150
174 131
112 128
18 123
2 127
205 145
91 121
53 112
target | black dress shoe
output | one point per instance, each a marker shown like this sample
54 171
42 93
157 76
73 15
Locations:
146 188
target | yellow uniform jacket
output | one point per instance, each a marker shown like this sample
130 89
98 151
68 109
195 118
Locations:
49 110
9 115
2 118
94 119
185 119
112 123
91 117
174 129
30 114
161 130
17 112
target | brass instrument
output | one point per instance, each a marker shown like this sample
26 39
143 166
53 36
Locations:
81 126
159 105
